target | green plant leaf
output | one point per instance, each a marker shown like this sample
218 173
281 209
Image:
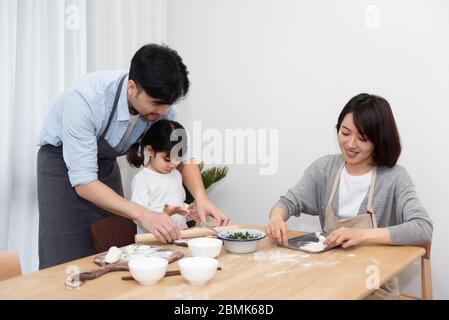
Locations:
209 177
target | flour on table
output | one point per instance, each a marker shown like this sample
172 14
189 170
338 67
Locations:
183 291
275 274
276 256
315 246
307 265
137 251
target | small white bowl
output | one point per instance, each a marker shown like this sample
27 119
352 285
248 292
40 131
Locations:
198 270
148 271
205 247
241 245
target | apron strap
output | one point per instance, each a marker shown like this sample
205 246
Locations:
334 187
114 106
371 189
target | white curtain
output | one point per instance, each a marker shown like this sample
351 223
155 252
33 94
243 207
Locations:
45 46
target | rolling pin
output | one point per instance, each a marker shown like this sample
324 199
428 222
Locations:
185 234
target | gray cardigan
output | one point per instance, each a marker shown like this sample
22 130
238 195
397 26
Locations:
395 203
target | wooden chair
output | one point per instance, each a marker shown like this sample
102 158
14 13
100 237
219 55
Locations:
113 231
426 276
9 265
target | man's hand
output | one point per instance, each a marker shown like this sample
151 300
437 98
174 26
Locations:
191 177
161 225
204 208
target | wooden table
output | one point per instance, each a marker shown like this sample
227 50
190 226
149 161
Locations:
270 273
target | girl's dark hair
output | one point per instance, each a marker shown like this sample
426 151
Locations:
160 72
374 120
162 137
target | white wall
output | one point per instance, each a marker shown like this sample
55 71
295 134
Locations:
292 65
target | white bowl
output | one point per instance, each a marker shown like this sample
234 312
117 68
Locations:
198 270
149 270
241 245
205 247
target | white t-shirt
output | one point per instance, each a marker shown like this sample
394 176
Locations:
353 190
153 190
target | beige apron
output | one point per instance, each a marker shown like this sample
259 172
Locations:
367 220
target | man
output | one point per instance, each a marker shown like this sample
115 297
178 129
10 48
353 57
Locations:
88 127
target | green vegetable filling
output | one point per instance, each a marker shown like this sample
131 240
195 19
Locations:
241 236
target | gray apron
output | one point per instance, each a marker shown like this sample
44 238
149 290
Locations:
390 290
65 217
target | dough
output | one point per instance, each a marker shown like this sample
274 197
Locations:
141 248
315 246
130 249
113 256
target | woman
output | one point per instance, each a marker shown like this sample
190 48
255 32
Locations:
361 195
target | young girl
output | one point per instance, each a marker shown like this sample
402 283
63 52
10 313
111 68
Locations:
361 195
158 186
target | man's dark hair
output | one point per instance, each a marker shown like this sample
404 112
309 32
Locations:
374 120
160 72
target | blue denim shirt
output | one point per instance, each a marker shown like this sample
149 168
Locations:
78 117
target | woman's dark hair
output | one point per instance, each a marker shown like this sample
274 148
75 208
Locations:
163 136
160 72
374 120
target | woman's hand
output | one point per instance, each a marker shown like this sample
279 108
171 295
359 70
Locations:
347 237
277 228
351 237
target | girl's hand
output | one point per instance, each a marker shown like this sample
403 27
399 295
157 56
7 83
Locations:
347 237
171 210
277 229
193 213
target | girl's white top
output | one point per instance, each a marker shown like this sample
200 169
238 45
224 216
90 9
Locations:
153 190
